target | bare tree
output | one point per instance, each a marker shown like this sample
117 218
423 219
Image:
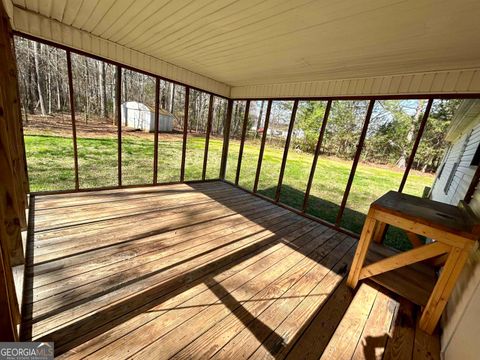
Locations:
103 89
38 78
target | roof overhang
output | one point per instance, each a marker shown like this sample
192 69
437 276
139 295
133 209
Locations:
466 117
275 48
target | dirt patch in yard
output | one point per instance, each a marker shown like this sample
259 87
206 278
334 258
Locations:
61 125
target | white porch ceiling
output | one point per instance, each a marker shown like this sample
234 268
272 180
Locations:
246 43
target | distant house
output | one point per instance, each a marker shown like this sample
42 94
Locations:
139 116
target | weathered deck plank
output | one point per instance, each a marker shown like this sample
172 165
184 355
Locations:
199 271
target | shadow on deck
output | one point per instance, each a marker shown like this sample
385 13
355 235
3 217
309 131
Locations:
201 270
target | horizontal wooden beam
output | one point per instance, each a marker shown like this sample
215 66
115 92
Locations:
460 241
404 259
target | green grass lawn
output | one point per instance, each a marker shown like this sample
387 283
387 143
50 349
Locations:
50 167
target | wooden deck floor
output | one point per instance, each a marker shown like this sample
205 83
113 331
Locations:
202 271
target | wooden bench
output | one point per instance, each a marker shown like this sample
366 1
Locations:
455 231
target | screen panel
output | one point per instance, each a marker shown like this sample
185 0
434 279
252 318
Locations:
277 132
253 138
138 127
46 116
170 137
391 133
235 135
215 146
338 149
308 122
96 121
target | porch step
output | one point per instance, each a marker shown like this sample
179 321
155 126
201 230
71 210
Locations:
379 324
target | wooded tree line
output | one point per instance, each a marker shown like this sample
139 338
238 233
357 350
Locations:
199 103
44 89
391 133
43 79
392 130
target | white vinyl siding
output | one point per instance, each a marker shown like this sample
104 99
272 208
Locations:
460 329
463 174
465 81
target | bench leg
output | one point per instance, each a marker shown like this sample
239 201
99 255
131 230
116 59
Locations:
379 233
442 290
361 252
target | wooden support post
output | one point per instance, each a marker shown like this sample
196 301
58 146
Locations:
242 142
207 136
426 114
12 191
379 232
155 141
9 313
362 249
8 235
444 287
262 146
226 140
315 156
13 123
72 112
12 184
356 159
285 151
185 130
119 123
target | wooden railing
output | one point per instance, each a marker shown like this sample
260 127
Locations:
321 135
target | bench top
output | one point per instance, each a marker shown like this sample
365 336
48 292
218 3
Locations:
449 218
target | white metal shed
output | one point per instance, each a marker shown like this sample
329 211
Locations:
139 116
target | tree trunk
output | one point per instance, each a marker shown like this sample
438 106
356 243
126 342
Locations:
49 84
402 162
102 90
172 97
37 75
87 102
57 83
259 120
235 121
113 89
30 76
125 85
